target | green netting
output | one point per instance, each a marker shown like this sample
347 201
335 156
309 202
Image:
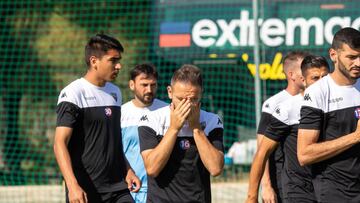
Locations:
42 43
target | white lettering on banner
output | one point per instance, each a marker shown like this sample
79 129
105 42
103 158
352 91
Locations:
273 31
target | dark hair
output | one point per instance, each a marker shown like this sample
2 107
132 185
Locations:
349 36
313 61
99 44
188 74
146 68
292 57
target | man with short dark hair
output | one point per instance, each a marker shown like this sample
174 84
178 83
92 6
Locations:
271 186
87 142
182 145
143 84
329 132
282 130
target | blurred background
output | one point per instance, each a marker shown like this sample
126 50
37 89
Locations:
42 50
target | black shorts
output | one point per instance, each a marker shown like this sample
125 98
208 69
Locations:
122 196
297 186
298 200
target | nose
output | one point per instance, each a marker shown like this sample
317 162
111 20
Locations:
118 66
357 61
148 88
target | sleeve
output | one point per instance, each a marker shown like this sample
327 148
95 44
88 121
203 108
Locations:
311 118
216 138
264 121
277 130
311 114
67 114
214 130
148 138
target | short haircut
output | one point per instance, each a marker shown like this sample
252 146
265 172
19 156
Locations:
349 36
188 74
292 57
313 61
98 46
145 68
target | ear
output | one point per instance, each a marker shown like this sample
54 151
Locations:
131 85
333 54
169 90
291 75
93 62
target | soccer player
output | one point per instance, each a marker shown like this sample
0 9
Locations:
143 84
87 142
296 180
182 145
271 181
329 132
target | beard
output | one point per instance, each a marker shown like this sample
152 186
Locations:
146 99
346 72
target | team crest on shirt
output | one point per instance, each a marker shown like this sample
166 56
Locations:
108 111
114 95
357 113
185 144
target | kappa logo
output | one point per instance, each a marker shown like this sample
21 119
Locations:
277 110
63 95
307 97
108 111
144 118
114 95
184 144
357 113
219 122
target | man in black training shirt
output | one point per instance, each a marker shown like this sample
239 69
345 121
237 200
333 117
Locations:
87 143
328 134
271 187
282 129
181 145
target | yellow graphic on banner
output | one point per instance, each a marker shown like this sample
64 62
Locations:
267 71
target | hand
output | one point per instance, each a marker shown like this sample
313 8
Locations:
132 180
268 194
179 114
77 194
194 116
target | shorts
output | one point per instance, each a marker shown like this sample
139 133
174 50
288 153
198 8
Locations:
122 196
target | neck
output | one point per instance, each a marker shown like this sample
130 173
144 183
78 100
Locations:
302 92
139 104
292 89
340 79
93 79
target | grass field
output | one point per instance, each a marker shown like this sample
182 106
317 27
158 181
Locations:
222 192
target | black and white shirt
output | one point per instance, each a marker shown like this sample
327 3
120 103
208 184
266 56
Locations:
283 128
95 146
276 159
334 111
184 178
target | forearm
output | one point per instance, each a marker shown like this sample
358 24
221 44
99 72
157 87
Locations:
212 158
64 161
319 151
265 180
156 160
257 170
